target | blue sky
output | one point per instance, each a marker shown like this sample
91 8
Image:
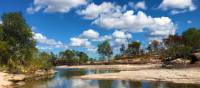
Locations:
82 24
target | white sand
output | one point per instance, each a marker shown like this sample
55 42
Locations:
4 81
114 67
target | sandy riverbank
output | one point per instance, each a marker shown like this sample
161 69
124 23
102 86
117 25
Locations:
4 82
144 72
10 80
115 67
7 80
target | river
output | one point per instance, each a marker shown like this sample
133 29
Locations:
64 79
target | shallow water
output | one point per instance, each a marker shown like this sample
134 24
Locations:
63 79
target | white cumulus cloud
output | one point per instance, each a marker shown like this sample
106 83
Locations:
140 5
80 42
103 38
92 50
128 21
118 18
121 35
90 33
55 5
93 10
178 6
40 38
44 47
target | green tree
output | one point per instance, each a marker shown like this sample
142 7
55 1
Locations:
117 57
68 55
191 38
175 47
44 60
83 57
1 32
41 60
19 38
133 48
73 57
3 47
53 56
105 50
3 52
122 49
154 46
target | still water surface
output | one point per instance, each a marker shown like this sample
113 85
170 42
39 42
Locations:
63 79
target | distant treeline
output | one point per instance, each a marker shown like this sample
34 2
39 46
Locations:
70 57
174 46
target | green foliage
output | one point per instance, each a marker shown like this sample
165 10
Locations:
1 32
68 55
39 61
182 46
83 57
3 47
178 52
105 50
117 57
73 57
17 45
154 46
133 48
16 32
191 38
3 52
123 49
92 59
176 48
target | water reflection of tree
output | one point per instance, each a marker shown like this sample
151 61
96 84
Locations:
134 84
105 83
124 82
105 71
158 85
72 72
33 83
172 85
